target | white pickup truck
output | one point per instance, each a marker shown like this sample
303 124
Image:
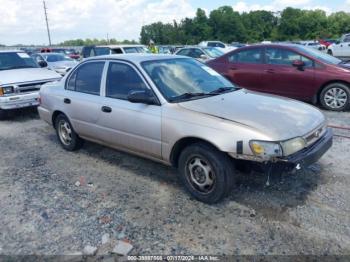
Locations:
20 80
341 48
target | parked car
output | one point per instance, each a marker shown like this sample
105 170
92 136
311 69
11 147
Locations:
327 42
200 53
71 53
237 44
180 112
218 44
315 44
20 80
89 51
293 71
56 61
340 48
165 49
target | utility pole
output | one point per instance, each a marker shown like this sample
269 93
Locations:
47 23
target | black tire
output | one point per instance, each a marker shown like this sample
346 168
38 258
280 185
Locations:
69 140
222 172
329 52
2 114
341 97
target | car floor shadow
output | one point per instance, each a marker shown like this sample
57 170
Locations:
285 190
138 165
272 195
21 115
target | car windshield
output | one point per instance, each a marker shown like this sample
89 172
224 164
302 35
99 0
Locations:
328 59
56 58
135 49
16 60
213 52
180 79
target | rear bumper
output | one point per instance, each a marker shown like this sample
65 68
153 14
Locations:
309 155
45 115
19 101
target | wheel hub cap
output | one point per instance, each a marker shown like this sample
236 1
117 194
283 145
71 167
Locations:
201 175
336 97
65 132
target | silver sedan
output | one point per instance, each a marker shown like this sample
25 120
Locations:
180 112
56 61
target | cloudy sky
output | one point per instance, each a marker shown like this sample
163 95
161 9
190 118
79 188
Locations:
22 21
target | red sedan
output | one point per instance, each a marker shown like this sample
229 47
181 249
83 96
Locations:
293 71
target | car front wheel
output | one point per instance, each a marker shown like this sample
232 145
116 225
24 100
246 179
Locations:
207 173
329 52
66 134
335 97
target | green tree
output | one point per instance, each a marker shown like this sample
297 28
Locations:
227 25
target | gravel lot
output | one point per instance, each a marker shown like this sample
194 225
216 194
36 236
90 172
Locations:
45 211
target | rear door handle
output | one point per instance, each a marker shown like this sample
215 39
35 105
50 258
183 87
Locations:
270 71
66 101
106 109
233 68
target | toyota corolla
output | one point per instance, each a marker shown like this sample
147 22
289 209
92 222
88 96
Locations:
180 112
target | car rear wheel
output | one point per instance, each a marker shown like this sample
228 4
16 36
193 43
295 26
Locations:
2 114
207 173
66 134
335 97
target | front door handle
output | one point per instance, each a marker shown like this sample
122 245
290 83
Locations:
106 109
270 71
66 101
233 68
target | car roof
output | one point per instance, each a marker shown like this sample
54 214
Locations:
118 46
135 58
50 53
12 51
270 45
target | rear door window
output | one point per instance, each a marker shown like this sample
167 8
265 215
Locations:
87 78
248 56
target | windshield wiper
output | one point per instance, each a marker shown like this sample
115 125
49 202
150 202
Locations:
189 95
344 62
221 90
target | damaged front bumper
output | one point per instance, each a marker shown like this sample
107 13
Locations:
311 154
298 160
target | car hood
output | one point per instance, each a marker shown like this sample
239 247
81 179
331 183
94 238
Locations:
345 65
277 117
67 64
26 75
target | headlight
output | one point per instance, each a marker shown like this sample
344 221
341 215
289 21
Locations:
6 90
265 149
292 146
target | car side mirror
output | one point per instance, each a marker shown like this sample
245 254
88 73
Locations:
142 96
42 63
298 64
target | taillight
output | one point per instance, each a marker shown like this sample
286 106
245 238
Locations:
39 100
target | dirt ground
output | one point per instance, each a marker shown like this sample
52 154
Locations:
45 211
